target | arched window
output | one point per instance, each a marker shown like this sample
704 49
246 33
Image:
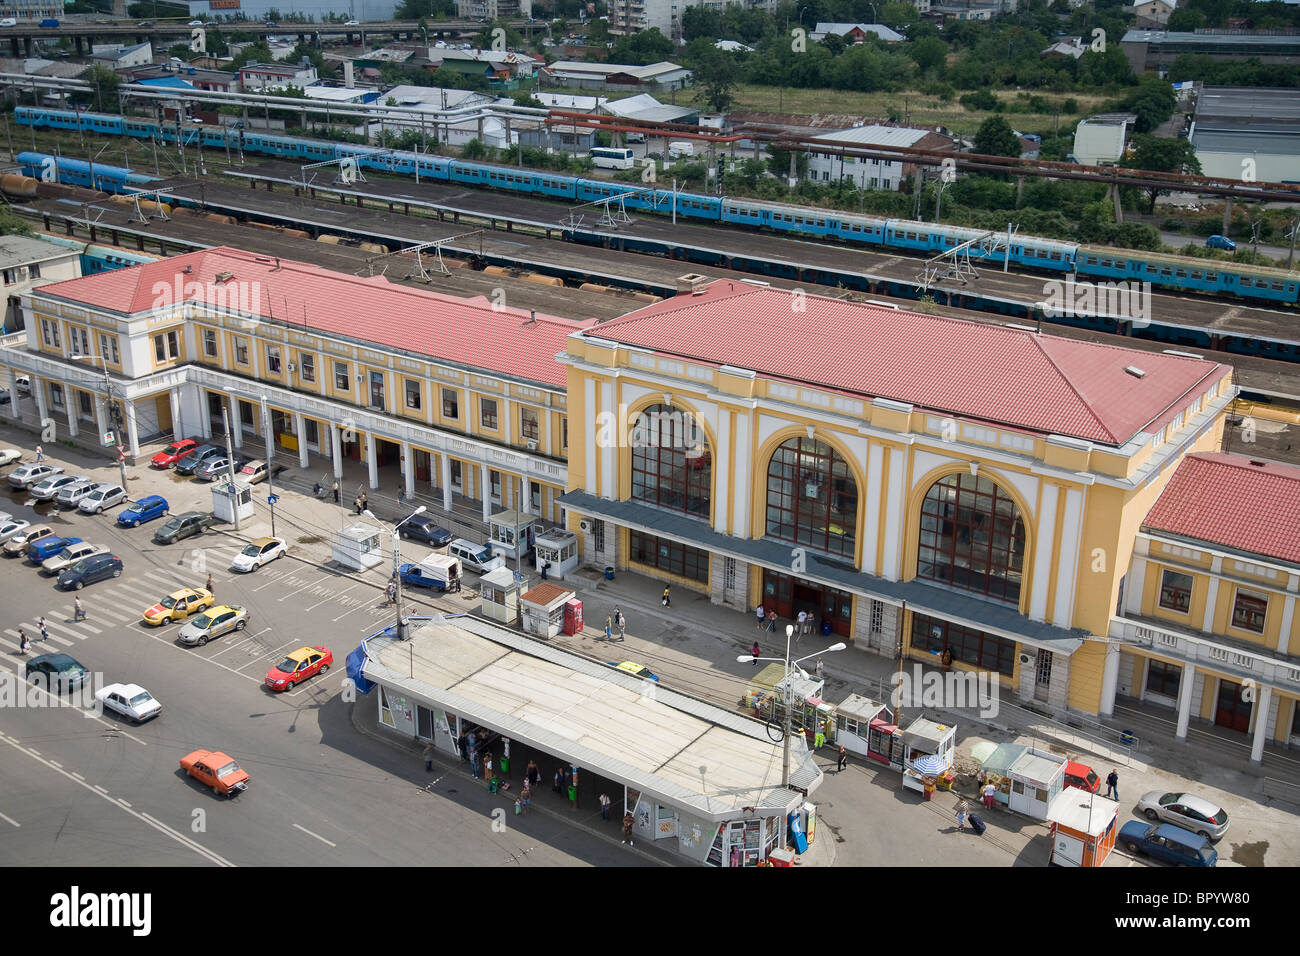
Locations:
812 497
671 463
972 537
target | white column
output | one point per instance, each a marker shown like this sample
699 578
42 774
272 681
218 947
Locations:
485 491
70 407
236 424
101 417
408 469
1109 680
1212 598
132 433
1263 700
371 464
174 396
1133 588
444 468
1185 701
525 495
336 444
42 411
13 394
1288 615
300 426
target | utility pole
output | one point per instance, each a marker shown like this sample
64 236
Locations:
230 461
270 474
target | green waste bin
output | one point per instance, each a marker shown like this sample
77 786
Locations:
504 763
573 794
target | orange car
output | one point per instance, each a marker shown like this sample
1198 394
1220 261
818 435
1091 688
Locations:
214 769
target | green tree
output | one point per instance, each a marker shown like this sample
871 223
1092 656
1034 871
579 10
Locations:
12 225
1185 20
930 53
996 138
104 82
715 77
1158 154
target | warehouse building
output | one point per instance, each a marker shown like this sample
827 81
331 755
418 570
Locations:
1247 133
1157 49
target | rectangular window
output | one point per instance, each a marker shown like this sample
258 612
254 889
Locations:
669 556
273 359
50 333
85 406
167 346
412 393
1249 610
377 390
307 366
341 380
1163 678
487 409
456 481
78 340
450 403
494 480
877 617
1176 591
535 496
241 351
56 396
964 643
528 424
564 433
210 343
108 348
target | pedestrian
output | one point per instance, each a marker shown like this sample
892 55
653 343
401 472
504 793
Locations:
462 744
667 600
356 503
609 627
821 670
428 757
365 501
760 613
45 631
843 761
771 621
621 623
401 496
962 809
208 586
526 794
628 821
532 774
559 781
336 492
604 806
473 756
40 453
755 651
803 622
1112 785
24 644
78 612
990 794
487 766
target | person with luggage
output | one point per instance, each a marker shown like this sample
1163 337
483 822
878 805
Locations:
962 809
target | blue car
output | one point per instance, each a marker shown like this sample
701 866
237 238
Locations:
146 509
48 547
1166 842
1220 242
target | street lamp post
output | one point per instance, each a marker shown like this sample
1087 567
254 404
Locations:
397 576
270 470
112 413
785 723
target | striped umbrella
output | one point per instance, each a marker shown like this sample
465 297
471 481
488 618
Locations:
931 765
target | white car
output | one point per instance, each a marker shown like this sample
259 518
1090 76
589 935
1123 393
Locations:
8 22
72 493
9 455
196 23
47 488
24 476
12 526
129 700
258 553
353 23
70 556
101 497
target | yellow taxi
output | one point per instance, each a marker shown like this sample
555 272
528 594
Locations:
178 605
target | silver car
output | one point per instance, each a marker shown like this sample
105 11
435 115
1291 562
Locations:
213 468
1187 811
101 497
72 493
48 488
24 476
70 556
212 623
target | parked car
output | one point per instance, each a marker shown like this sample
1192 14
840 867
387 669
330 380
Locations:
212 623
19 542
1187 811
145 23
178 605
192 459
298 666
97 567
254 471
72 493
9 455
1164 841
69 555
258 553
48 488
24 476
476 557
215 467
635 669
270 23
425 528
129 700
196 23
183 525
173 453
214 769
102 496
1220 242
146 509
353 23
1082 776
49 23
8 22
10 527
56 672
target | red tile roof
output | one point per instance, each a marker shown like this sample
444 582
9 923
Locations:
1040 383
372 310
1235 502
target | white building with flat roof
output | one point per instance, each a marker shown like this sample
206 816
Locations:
828 165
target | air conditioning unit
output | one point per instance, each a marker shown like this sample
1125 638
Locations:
584 526
1026 659
292 368
532 444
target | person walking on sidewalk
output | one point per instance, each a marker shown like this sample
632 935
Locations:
771 622
803 623
78 612
428 758
1112 785
40 453
621 623
208 586
559 781
843 761
365 501
356 503
962 809
628 822
526 795
24 642
45 631
604 806
336 491
821 670
532 774
754 652
668 602
609 627
760 613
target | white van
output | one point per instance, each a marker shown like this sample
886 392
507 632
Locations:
476 557
678 149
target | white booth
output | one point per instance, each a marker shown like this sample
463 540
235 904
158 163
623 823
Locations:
926 738
228 498
1036 778
499 595
556 552
357 546
510 534
543 609
863 727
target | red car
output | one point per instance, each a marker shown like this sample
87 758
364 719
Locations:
173 453
214 769
1082 776
299 665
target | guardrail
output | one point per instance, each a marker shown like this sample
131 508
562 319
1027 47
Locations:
1275 789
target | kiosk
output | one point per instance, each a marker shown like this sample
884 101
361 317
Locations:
863 727
510 534
227 499
1036 778
925 738
1084 827
499 595
357 546
543 609
556 552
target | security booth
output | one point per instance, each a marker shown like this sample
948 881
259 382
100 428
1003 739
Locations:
863 727
996 769
1084 827
229 499
511 535
1036 778
924 738
555 552
499 595
543 609
357 546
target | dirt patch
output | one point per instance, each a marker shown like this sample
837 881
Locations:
309 539
1249 854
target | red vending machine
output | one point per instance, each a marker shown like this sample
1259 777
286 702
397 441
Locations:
573 617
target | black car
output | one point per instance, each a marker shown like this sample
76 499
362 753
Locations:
180 526
196 457
97 567
56 672
423 528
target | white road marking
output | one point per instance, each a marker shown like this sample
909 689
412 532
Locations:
124 803
10 820
57 627
305 586
316 835
98 787
34 635
330 596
